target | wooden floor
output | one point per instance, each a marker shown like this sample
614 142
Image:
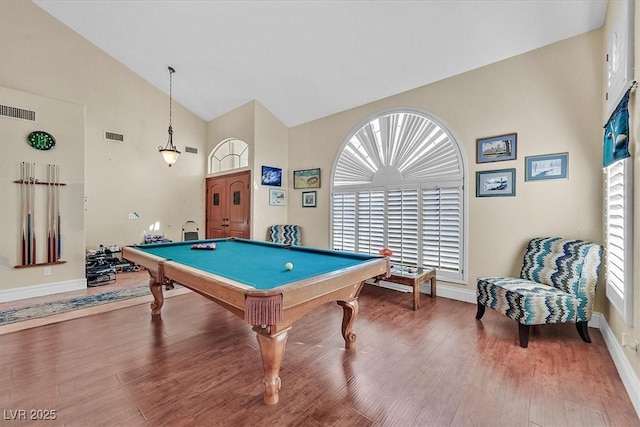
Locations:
199 365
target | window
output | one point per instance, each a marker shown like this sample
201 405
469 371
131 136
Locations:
398 183
229 154
618 237
618 192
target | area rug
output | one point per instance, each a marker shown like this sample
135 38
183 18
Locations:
72 308
62 306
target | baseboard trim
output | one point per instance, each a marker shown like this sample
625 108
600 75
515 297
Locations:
15 294
457 294
625 370
425 288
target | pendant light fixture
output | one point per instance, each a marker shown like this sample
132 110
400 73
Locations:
169 152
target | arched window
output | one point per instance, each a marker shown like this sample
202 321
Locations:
229 154
398 182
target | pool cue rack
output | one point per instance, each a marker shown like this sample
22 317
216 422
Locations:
28 236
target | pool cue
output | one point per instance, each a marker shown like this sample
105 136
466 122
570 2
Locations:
33 209
23 212
49 214
48 208
52 214
28 200
57 211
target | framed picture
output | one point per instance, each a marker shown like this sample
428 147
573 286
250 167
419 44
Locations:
496 183
271 176
496 148
277 197
550 166
309 199
307 178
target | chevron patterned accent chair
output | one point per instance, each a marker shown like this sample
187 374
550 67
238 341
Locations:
557 284
285 234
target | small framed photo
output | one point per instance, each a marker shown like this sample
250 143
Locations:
496 183
277 197
550 166
496 148
271 176
307 178
309 199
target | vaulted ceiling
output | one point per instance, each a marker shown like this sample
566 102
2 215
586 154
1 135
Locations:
307 59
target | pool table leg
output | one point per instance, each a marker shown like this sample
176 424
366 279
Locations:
272 352
350 310
158 297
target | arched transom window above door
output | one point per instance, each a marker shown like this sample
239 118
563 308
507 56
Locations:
228 155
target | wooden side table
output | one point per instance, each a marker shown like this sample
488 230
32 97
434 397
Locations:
414 280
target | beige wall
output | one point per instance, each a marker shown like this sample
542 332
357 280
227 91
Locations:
272 140
544 97
267 139
65 121
120 177
41 56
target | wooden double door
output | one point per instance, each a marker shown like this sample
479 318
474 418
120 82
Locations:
228 206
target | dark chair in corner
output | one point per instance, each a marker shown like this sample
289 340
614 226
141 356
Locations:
285 234
557 284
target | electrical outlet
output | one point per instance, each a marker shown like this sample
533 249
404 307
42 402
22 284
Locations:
627 343
46 271
626 337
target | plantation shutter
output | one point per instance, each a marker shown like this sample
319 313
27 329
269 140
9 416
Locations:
402 225
617 236
344 221
442 229
371 221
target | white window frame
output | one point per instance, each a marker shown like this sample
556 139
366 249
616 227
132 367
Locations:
216 163
336 237
619 237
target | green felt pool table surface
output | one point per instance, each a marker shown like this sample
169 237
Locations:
254 263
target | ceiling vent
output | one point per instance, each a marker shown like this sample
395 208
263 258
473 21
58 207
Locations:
191 150
112 136
17 113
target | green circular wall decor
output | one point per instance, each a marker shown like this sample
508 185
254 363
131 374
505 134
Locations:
41 140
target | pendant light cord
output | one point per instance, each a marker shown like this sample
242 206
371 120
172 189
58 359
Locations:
171 71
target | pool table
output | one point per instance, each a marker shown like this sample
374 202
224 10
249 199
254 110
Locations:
249 278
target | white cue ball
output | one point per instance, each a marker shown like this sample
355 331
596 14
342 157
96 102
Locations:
288 266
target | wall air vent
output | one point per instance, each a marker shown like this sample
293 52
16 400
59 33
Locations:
112 136
190 150
17 113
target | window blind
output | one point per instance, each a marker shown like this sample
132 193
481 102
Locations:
618 238
421 226
442 228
